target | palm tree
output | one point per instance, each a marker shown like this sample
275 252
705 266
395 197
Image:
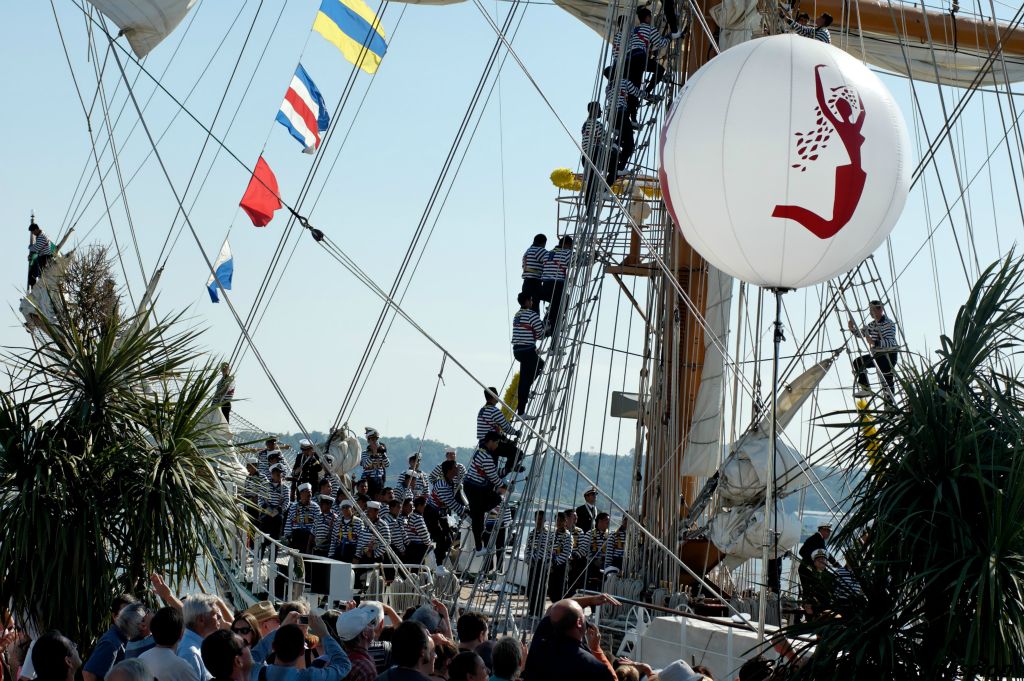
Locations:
108 466
935 537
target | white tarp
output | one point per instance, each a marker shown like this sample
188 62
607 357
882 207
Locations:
739 531
144 22
737 19
744 475
703 449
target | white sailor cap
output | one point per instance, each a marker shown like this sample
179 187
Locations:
305 487
305 444
278 467
374 505
347 503
819 553
825 526
371 432
252 461
325 499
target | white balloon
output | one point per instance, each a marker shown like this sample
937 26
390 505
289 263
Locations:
769 185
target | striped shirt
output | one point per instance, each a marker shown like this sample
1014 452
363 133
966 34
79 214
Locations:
538 544
882 334
255 488
533 262
821 34
416 529
561 547
577 542
335 481
323 530
591 136
617 99
557 265
595 546
347 531
278 496
397 529
263 465
616 45
301 517
437 474
366 536
444 498
490 418
375 464
527 328
617 545
504 513
483 469
420 488
647 39
41 245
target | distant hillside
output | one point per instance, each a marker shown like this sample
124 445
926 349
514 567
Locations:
560 482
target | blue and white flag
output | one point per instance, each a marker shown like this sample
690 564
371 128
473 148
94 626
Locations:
303 111
224 269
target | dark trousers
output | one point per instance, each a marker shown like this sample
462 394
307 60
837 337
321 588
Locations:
300 540
272 525
885 362
481 499
530 364
556 583
535 588
345 552
575 576
440 533
557 287
637 63
226 410
36 267
595 577
670 15
533 288
414 553
627 143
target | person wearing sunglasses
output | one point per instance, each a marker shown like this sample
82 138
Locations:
246 626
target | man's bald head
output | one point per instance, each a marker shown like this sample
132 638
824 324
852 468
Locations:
567 618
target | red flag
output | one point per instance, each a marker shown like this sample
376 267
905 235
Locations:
260 198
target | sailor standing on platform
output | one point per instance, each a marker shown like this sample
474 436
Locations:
577 560
596 544
298 524
499 519
587 513
393 518
561 552
617 548
370 549
416 533
375 462
880 334
346 534
38 253
307 466
323 527
527 329
814 542
443 500
480 486
419 479
533 268
538 546
490 418
225 390
276 503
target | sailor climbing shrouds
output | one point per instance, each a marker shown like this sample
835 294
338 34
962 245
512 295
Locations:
533 268
498 521
437 474
819 31
556 269
443 500
39 251
617 95
489 418
592 136
644 44
880 334
482 480
375 462
527 329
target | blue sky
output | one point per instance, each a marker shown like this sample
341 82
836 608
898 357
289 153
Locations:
321 316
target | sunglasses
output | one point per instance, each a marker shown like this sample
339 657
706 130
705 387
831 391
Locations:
242 631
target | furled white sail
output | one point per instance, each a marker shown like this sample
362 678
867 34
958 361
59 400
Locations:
144 22
743 478
740 531
703 447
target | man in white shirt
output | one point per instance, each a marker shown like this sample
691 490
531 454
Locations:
202 618
167 627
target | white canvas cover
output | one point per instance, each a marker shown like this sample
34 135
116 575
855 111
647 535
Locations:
739 531
144 22
744 475
737 19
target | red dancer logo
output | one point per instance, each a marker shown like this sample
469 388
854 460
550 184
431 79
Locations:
850 178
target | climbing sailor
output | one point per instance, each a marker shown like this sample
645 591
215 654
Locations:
490 419
39 250
880 334
556 269
481 484
819 31
644 44
592 137
499 520
375 462
443 500
527 329
533 268
619 120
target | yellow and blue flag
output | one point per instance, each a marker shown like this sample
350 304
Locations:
352 27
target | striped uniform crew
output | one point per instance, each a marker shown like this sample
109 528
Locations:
366 536
557 264
591 135
617 95
335 482
483 469
323 531
301 517
561 547
490 418
437 475
346 532
375 464
538 544
41 245
419 489
616 44
416 529
263 465
527 328
821 34
616 548
882 334
255 488
533 262
397 530
577 543
279 496
443 497
647 39
505 515
595 546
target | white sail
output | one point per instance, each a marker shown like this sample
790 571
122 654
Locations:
739 532
743 478
703 450
737 19
144 22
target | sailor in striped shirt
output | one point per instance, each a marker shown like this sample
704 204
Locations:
538 547
302 515
577 561
264 456
274 504
375 462
393 518
644 44
556 269
880 334
437 474
38 253
819 31
346 535
416 532
617 547
499 519
595 547
443 500
490 418
323 527
371 548
533 267
418 479
481 483
527 329
561 551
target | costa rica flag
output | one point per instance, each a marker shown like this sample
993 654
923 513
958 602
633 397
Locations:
303 111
